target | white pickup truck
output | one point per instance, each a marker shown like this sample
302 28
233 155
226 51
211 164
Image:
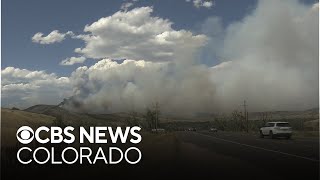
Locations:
276 129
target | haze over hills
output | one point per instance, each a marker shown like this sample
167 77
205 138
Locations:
278 115
46 115
98 118
76 118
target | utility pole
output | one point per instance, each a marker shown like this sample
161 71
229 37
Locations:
246 114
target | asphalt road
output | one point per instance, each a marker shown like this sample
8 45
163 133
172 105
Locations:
197 155
240 155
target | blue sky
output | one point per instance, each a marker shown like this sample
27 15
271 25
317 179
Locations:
22 19
211 46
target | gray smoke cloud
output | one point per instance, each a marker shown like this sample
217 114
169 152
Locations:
274 53
270 59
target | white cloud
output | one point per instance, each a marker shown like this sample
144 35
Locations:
274 53
23 88
197 3
72 61
126 6
207 4
202 3
138 35
15 75
53 37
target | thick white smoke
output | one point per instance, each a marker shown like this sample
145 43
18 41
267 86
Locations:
269 58
273 55
109 86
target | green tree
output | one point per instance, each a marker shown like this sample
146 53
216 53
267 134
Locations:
152 116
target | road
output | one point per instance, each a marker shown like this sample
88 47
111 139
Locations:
240 155
196 155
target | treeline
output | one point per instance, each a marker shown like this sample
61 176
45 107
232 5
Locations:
235 121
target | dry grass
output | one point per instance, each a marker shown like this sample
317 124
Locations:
11 120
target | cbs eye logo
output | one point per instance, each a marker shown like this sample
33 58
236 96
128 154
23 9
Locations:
25 134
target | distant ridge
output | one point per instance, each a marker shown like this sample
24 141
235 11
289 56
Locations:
41 108
76 118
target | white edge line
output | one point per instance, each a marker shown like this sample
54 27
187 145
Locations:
256 147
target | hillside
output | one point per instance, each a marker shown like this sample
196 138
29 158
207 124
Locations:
77 119
11 120
16 118
44 115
